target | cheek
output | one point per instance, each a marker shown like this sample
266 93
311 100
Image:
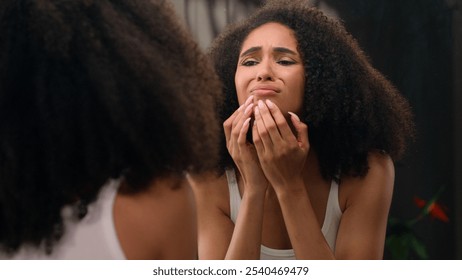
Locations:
240 85
298 90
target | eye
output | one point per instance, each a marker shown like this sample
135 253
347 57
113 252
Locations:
286 62
249 62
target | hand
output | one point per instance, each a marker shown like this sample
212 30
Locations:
244 153
282 155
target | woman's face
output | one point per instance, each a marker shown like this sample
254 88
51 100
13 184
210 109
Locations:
270 67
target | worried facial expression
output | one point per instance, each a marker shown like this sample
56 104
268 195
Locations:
270 67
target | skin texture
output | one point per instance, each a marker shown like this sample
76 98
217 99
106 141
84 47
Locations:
281 178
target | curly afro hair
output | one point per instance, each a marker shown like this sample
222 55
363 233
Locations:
351 109
92 90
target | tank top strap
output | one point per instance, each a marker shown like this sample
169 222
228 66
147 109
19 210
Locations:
332 216
234 195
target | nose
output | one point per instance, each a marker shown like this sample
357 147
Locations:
265 71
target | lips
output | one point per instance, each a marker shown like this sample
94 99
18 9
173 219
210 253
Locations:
264 90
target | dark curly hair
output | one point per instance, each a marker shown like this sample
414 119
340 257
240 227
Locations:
349 107
92 90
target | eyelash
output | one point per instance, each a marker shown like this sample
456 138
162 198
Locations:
286 62
249 63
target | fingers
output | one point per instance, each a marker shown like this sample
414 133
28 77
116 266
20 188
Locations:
266 126
261 133
239 131
280 120
234 124
242 138
256 139
301 129
272 123
270 126
228 124
272 129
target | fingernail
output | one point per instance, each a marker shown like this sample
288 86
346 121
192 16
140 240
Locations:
249 100
246 122
260 104
295 116
240 108
248 109
270 104
256 111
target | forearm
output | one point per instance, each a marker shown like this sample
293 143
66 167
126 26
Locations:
246 240
302 225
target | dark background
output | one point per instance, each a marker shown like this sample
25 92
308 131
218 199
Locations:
417 44
413 44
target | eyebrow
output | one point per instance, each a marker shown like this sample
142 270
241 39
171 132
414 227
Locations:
251 50
284 50
276 49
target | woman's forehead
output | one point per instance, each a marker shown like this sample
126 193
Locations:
270 34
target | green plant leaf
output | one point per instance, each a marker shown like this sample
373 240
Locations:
419 248
398 246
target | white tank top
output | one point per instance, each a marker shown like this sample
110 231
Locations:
329 227
93 237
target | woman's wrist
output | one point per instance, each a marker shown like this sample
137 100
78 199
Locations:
290 189
254 191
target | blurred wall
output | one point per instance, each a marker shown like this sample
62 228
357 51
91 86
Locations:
206 18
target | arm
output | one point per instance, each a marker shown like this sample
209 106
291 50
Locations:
242 240
219 238
215 228
283 156
302 225
246 238
361 233
362 230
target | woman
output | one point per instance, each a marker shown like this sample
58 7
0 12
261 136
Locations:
98 129
312 131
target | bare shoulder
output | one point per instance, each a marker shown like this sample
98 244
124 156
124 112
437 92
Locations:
376 184
215 227
381 164
207 182
210 189
367 201
159 222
